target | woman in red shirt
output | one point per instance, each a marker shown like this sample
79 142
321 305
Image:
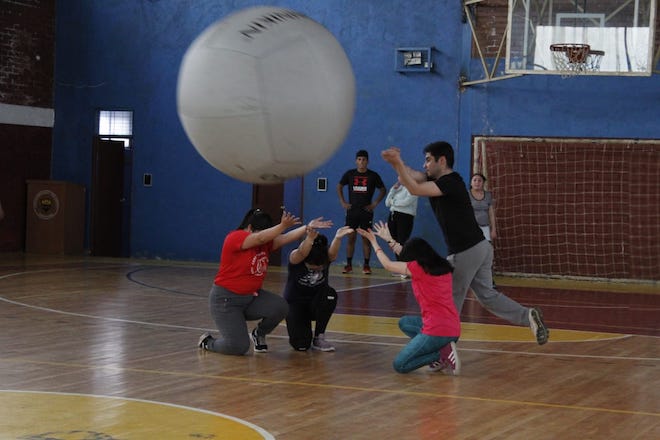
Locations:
237 295
434 334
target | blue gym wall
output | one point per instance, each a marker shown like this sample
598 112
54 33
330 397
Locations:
125 54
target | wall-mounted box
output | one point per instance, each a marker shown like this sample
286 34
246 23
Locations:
413 59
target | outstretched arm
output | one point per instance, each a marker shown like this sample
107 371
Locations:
272 233
414 181
299 254
400 267
383 231
333 250
299 233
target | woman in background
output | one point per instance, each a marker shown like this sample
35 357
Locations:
403 208
483 206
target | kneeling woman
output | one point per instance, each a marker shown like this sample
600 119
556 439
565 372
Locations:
433 335
237 295
307 291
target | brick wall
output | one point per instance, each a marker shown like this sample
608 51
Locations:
27 44
27 54
491 20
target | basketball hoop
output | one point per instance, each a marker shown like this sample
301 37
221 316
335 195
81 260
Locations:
575 59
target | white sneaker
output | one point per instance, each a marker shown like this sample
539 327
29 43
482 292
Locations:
536 324
319 343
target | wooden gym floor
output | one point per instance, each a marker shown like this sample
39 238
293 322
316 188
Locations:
106 349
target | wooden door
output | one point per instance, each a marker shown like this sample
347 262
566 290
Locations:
270 198
107 198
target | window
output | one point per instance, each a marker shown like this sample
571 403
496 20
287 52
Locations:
116 126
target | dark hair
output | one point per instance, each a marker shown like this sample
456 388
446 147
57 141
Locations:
362 153
439 149
418 249
480 175
258 219
318 255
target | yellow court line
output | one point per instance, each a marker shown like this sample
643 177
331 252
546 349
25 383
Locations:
32 414
566 283
470 331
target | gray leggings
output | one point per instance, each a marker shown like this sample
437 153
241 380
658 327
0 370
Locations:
473 269
231 312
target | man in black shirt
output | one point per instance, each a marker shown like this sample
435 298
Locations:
469 252
362 183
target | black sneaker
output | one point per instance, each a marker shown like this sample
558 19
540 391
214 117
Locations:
204 341
259 342
539 330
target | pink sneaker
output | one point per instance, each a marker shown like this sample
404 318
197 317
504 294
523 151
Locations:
449 362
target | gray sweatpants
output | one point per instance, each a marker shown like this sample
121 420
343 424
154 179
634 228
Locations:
231 312
473 269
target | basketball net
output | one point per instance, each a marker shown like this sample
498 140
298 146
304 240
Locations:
575 59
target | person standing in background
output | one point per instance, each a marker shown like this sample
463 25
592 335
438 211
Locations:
403 208
483 206
362 184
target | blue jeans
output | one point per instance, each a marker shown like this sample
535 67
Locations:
422 349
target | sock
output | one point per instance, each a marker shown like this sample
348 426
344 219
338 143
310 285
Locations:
349 261
366 262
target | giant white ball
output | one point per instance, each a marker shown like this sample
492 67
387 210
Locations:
266 94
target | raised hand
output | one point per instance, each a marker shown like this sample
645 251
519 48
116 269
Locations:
319 223
344 231
312 233
392 155
369 235
289 220
382 230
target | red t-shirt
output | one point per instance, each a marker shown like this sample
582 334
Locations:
434 295
242 271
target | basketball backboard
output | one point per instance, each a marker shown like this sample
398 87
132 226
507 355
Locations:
619 35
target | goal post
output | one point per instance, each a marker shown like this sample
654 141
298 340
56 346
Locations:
574 207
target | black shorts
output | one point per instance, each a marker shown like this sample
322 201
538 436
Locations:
359 218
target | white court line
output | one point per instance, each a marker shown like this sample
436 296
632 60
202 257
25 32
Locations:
342 341
390 283
265 434
202 329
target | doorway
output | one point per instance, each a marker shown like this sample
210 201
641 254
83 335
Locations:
109 199
270 198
